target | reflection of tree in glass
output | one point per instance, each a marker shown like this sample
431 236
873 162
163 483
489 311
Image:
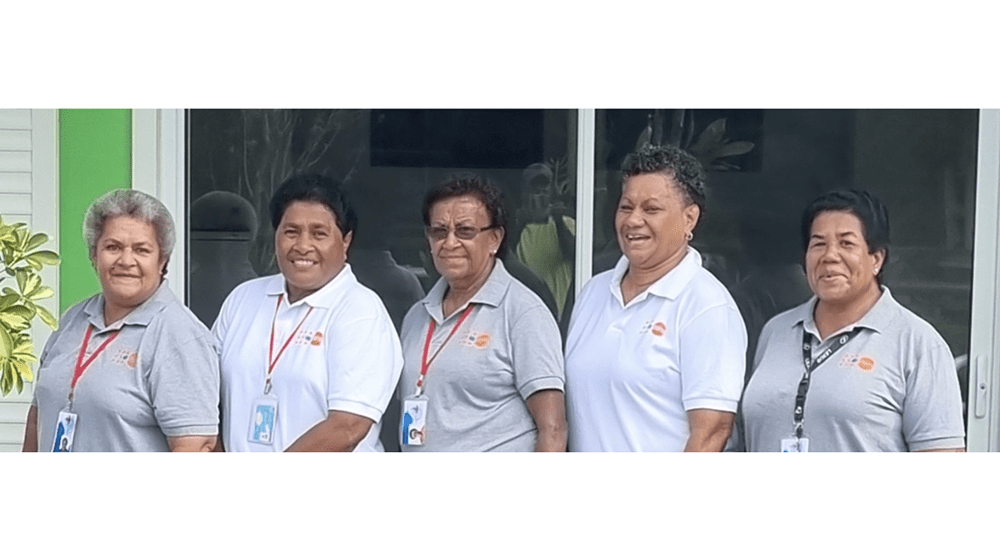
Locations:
278 143
709 148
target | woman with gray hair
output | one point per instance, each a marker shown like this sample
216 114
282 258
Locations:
131 368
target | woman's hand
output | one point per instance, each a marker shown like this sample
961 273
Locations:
548 409
710 429
341 431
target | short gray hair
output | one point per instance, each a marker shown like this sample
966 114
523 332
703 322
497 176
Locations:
134 204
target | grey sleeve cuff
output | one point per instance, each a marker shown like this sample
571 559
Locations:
541 384
192 430
937 443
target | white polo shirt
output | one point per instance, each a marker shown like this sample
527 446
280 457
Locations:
633 371
345 356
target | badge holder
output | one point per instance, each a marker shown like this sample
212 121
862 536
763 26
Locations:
65 430
413 421
795 445
263 418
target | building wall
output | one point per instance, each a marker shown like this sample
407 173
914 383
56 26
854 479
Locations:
95 156
53 164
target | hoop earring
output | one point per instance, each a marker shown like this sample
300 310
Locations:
690 236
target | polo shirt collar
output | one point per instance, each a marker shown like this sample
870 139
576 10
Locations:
141 315
325 297
879 317
669 286
491 293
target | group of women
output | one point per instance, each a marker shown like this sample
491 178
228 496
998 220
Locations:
308 359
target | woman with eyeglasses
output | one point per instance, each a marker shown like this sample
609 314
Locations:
483 366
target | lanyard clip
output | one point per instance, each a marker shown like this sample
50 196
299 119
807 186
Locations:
267 387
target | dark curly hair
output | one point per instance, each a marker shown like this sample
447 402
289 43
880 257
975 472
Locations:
676 164
314 188
483 189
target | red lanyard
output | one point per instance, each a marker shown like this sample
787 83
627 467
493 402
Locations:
273 361
82 365
425 364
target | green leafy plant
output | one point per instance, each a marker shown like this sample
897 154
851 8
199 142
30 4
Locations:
21 262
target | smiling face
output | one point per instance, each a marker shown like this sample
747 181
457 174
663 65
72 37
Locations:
309 248
839 268
128 262
463 262
653 221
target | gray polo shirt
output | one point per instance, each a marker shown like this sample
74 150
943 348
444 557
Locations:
507 349
158 378
893 387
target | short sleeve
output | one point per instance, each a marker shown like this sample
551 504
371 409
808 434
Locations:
712 359
932 409
536 350
184 384
365 362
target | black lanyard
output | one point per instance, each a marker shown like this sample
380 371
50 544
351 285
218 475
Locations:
811 365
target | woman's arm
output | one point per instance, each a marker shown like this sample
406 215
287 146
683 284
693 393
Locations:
31 431
548 409
710 429
192 443
341 431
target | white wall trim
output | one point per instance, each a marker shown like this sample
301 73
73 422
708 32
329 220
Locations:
984 398
158 160
585 145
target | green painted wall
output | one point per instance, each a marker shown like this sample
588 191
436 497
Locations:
95 156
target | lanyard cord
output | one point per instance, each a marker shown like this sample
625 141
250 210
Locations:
425 364
273 361
811 365
82 365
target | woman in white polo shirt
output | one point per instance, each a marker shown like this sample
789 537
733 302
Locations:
851 369
656 347
309 356
484 367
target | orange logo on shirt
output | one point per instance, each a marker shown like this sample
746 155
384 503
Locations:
659 329
133 358
317 339
482 340
866 363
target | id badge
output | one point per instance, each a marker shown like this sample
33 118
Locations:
65 430
263 419
413 421
795 445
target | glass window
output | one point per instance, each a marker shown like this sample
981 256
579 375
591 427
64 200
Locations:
387 160
766 165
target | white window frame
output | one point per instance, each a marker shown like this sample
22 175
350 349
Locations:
159 159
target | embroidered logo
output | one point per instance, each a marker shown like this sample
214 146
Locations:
125 357
474 339
658 328
864 363
308 338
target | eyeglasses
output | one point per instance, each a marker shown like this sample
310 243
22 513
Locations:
461 232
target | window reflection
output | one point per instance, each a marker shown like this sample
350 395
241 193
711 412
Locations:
387 159
921 163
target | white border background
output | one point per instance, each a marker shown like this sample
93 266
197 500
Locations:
518 54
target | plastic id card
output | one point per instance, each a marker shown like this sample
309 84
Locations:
263 420
795 445
65 430
413 421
